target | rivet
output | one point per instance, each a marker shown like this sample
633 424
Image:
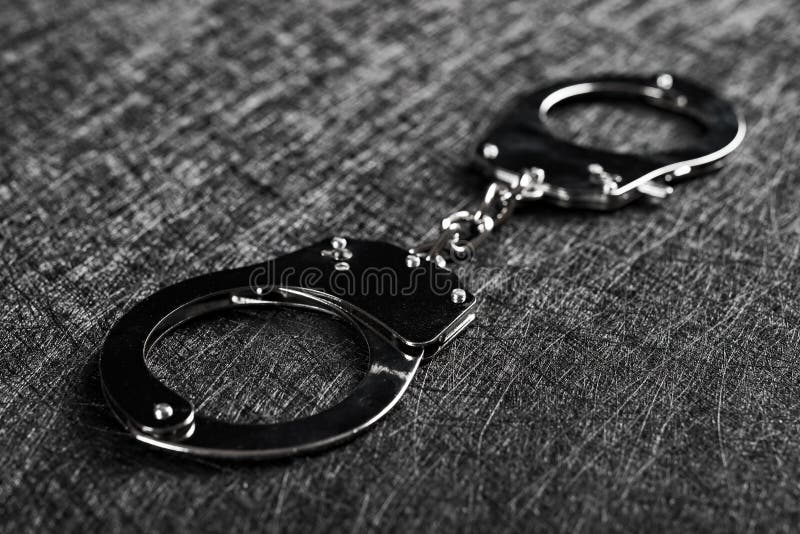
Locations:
412 261
162 411
490 151
339 243
664 81
596 168
341 266
337 254
458 296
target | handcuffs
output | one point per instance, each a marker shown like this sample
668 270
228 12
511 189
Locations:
406 304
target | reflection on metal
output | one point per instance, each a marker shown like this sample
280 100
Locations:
404 304
523 140
401 322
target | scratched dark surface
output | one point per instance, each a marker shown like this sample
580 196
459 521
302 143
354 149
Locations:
641 372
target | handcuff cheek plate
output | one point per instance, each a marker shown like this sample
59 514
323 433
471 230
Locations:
402 313
578 176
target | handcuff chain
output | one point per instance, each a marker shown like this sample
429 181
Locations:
462 231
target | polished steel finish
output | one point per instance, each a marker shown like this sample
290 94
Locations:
522 140
655 191
408 317
490 151
664 81
458 296
337 254
403 308
462 231
412 261
162 411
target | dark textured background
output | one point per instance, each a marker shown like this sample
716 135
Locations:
643 371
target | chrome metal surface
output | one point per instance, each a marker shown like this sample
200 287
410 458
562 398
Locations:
401 314
462 231
403 308
162 411
578 176
458 296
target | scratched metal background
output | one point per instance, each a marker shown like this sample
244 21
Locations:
641 371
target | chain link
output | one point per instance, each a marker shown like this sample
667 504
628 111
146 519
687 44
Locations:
462 231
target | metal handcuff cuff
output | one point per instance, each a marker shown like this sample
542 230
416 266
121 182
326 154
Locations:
405 303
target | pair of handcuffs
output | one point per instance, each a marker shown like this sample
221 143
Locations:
405 304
